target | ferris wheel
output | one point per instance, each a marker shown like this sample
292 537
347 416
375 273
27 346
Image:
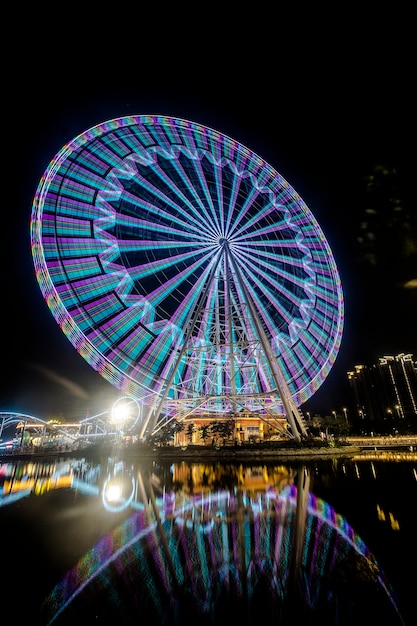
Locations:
186 270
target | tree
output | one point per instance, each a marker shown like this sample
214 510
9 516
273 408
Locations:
223 429
190 431
205 432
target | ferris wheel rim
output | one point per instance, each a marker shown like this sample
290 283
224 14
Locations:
215 153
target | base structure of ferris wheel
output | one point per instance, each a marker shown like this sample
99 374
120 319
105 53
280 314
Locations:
183 409
232 403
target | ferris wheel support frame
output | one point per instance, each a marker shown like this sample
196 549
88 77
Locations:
292 413
190 324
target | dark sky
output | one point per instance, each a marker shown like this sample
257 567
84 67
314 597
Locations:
331 107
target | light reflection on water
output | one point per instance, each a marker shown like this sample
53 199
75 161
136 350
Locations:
191 542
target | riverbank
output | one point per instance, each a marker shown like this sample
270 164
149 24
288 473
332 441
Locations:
311 449
248 452
242 453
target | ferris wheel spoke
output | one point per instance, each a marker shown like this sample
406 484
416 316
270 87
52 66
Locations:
262 229
162 229
282 309
153 217
276 273
198 211
167 262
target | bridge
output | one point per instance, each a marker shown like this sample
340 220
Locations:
18 430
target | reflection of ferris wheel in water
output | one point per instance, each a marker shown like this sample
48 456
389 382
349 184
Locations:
186 270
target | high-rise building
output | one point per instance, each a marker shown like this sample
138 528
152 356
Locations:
385 390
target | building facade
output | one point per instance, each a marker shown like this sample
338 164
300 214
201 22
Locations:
245 427
385 390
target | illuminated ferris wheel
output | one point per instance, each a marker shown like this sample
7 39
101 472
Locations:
186 270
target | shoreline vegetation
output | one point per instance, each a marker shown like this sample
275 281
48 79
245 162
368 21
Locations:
272 450
312 448
267 450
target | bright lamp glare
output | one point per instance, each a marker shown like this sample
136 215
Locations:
113 493
120 413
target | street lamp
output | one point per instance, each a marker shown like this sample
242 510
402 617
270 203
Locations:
119 415
124 414
345 413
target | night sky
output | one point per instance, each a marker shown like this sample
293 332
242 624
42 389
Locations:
332 109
